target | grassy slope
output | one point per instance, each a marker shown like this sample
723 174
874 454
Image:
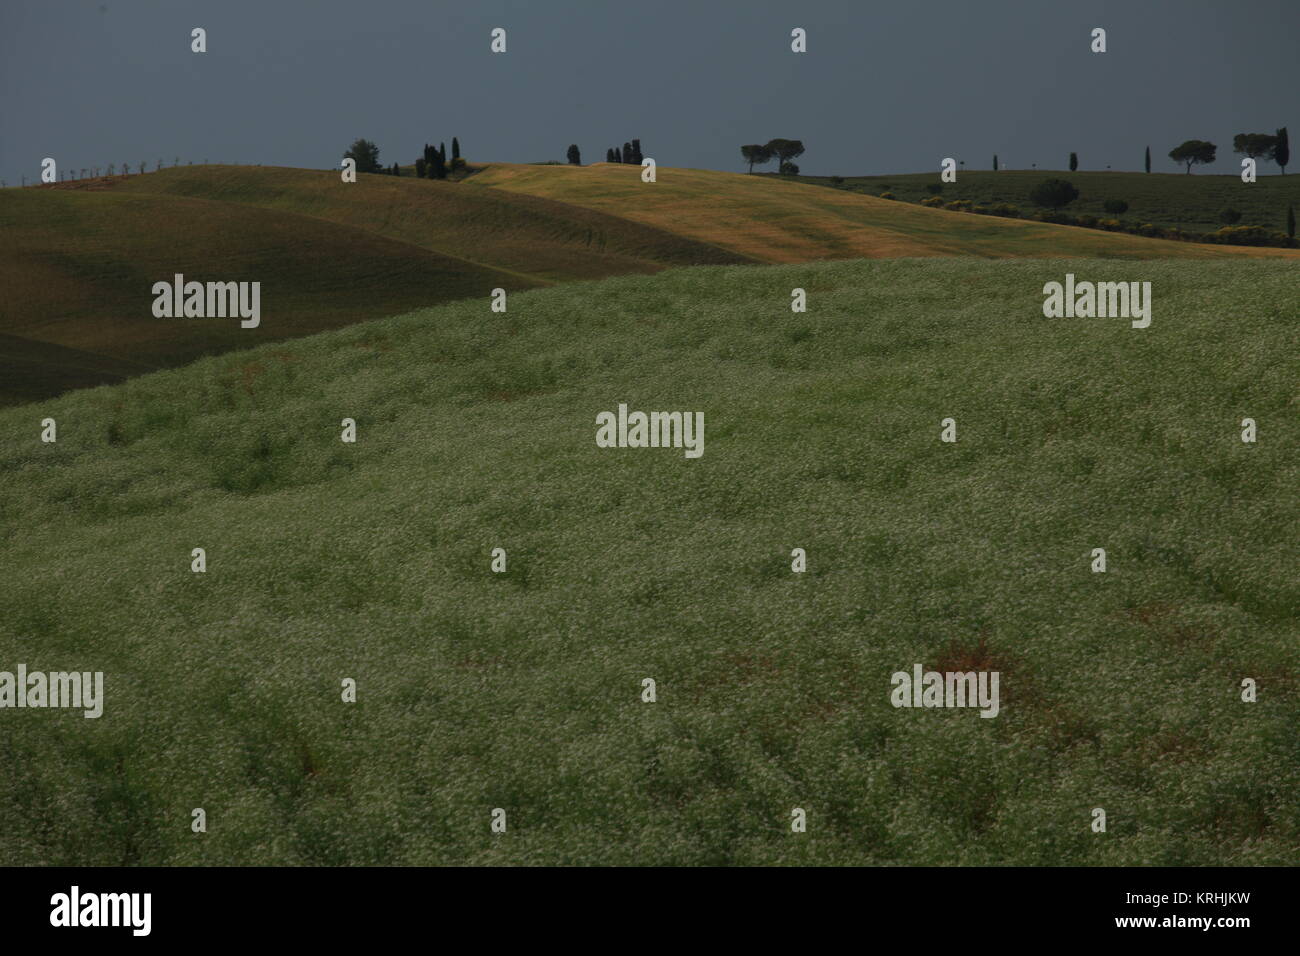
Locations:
546 240
1192 203
521 690
77 269
774 220
77 259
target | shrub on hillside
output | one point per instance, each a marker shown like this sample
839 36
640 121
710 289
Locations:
933 202
1089 222
1150 230
1110 225
1249 236
887 195
1004 209
960 205
1053 193
1116 207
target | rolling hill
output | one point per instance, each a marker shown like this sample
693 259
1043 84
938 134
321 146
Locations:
772 219
76 270
522 690
1192 203
540 239
77 260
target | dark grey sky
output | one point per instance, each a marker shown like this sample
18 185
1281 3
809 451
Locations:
883 88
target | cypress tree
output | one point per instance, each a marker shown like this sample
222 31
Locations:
609 155
618 155
455 148
995 162
1148 159
636 152
1074 162
1282 149
627 152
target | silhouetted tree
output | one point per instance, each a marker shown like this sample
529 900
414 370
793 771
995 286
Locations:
756 153
785 150
575 157
1282 149
1074 162
455 148
1193 152
995 162
618 155
420 167
1148 160
366 156
1254 145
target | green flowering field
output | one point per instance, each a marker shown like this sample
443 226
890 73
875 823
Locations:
522 690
